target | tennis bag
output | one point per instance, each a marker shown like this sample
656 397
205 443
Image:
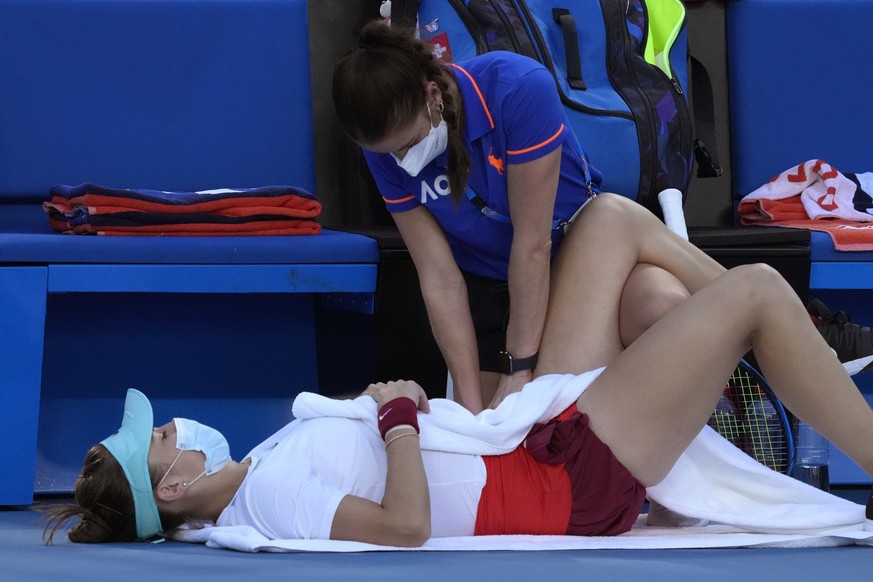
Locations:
621 67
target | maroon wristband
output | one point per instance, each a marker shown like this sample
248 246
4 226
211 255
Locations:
395 412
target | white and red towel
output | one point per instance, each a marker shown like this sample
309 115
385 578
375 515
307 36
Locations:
817 196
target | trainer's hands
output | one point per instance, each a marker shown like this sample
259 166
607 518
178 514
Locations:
510 385
383 392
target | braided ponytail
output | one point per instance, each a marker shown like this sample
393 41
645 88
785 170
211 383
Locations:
378 89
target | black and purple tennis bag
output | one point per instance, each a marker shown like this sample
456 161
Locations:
621 67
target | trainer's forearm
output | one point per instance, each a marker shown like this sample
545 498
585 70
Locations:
448 307
529 298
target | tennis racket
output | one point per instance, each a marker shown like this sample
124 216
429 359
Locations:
750 416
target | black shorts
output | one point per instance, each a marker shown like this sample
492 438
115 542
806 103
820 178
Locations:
489 305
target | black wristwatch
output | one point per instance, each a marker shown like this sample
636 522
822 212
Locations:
507 364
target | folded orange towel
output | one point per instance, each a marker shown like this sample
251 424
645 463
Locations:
92 209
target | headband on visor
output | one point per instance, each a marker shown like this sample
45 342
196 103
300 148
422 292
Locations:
130 447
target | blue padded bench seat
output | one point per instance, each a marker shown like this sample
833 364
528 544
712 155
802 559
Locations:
832 269
59 358
25 237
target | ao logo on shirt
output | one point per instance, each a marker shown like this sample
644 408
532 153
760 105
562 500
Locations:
440 188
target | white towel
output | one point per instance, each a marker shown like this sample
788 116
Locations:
452 428
749 503
641 537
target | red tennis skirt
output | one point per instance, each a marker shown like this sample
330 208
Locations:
562 480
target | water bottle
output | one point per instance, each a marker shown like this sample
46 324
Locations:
812 455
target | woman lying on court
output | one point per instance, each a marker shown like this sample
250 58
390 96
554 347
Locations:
583 471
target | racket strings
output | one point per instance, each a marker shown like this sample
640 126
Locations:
746 416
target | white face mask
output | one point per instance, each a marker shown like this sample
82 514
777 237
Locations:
193 436
425 151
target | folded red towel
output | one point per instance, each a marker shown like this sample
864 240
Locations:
93 209
259 228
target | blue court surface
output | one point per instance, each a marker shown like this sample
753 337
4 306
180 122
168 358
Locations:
25 558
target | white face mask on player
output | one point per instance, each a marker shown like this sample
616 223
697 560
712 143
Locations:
425 151
193 436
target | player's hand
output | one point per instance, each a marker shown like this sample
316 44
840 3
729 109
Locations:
383 392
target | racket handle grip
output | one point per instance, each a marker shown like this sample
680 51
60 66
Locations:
671 207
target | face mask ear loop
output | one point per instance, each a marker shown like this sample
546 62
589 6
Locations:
440 106
173 464
187 485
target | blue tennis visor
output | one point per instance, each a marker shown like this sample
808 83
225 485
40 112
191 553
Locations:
130 447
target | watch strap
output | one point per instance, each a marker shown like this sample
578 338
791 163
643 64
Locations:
509 364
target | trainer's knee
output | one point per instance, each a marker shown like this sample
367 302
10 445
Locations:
649 294
661 302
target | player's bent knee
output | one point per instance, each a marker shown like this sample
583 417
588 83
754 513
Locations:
761 282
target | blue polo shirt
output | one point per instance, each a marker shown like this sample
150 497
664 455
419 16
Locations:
513 114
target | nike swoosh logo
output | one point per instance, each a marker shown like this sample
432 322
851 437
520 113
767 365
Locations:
384 414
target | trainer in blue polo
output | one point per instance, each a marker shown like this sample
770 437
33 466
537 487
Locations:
507 121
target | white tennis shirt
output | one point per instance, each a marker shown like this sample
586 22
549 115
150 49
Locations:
292 490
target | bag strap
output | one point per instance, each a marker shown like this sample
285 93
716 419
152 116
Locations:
567 23
705 149
404 13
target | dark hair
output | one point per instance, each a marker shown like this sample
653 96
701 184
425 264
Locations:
378 89
103 504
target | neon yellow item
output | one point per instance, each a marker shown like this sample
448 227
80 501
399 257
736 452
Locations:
665 22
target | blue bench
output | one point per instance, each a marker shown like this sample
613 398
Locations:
798 91
171 95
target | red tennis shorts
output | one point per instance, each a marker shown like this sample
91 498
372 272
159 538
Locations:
563 480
